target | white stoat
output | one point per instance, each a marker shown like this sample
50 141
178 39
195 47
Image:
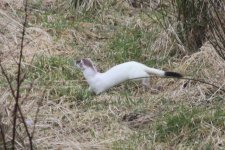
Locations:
99 82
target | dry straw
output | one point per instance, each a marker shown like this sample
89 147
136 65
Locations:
96 122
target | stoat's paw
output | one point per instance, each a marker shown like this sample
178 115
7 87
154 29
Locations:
90 89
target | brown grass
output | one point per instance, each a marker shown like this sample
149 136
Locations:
70 121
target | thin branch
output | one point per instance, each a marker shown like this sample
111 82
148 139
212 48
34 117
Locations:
26 128
186 78
14 96
3 136
18 81
8 81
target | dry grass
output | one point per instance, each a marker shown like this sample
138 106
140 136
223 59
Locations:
173 114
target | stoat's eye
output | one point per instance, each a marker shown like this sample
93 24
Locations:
78 61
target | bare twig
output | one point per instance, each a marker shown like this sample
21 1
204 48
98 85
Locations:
3 136
8 80
19 81
187 78
26 128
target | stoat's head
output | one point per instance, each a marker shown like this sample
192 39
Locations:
85 63
87 66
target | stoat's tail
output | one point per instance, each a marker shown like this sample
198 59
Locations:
164 73
173 74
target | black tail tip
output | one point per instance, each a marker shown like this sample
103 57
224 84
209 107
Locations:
173 74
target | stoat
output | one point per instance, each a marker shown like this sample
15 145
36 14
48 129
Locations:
100 82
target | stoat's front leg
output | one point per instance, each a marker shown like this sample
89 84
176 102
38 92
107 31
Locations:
145 82
90 89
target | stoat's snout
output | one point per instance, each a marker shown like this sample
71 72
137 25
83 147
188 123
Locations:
77 62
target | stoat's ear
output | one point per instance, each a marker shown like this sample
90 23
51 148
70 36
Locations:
87 62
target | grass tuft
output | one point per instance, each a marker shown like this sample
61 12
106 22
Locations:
186 123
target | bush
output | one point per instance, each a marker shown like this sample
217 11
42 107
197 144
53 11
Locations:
201 20
216 26
192 17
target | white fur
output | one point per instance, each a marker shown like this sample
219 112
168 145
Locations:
99 82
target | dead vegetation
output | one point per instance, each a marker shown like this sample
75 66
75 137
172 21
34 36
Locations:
172 114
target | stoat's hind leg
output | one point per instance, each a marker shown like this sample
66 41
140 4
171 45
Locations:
143 88
145 82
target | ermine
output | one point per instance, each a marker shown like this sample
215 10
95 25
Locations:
100 82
